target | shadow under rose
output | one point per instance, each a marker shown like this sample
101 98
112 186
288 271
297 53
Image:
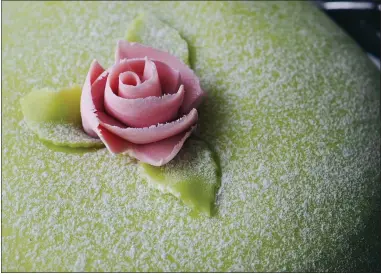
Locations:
212 115
67 149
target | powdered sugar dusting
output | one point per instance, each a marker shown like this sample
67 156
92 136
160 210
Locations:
63 134
147 29
294 120
193 176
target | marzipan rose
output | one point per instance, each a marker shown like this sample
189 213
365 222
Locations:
145 104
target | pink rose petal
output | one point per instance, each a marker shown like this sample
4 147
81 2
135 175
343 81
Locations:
161 152
170 79
143 112
194 93
127 83
105 119
153 133
92 97
143 68
113 143
95 70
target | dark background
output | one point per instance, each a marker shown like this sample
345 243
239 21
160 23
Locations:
360 19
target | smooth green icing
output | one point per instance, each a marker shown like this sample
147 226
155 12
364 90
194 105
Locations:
192 176
55 117
149 30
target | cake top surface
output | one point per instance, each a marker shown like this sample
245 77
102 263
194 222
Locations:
285 114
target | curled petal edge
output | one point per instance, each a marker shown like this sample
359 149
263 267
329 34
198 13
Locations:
92 97
149 87
194 94
156 154
153 133
143 112
165 149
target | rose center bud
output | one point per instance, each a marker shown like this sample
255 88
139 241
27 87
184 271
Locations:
129 78
137 79
127 81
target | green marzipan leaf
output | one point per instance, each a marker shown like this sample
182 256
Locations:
55 117
193 176
149 30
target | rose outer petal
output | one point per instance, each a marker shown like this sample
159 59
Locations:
114 143
161 152
143 112
151 134
194 93
92 97
95 70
